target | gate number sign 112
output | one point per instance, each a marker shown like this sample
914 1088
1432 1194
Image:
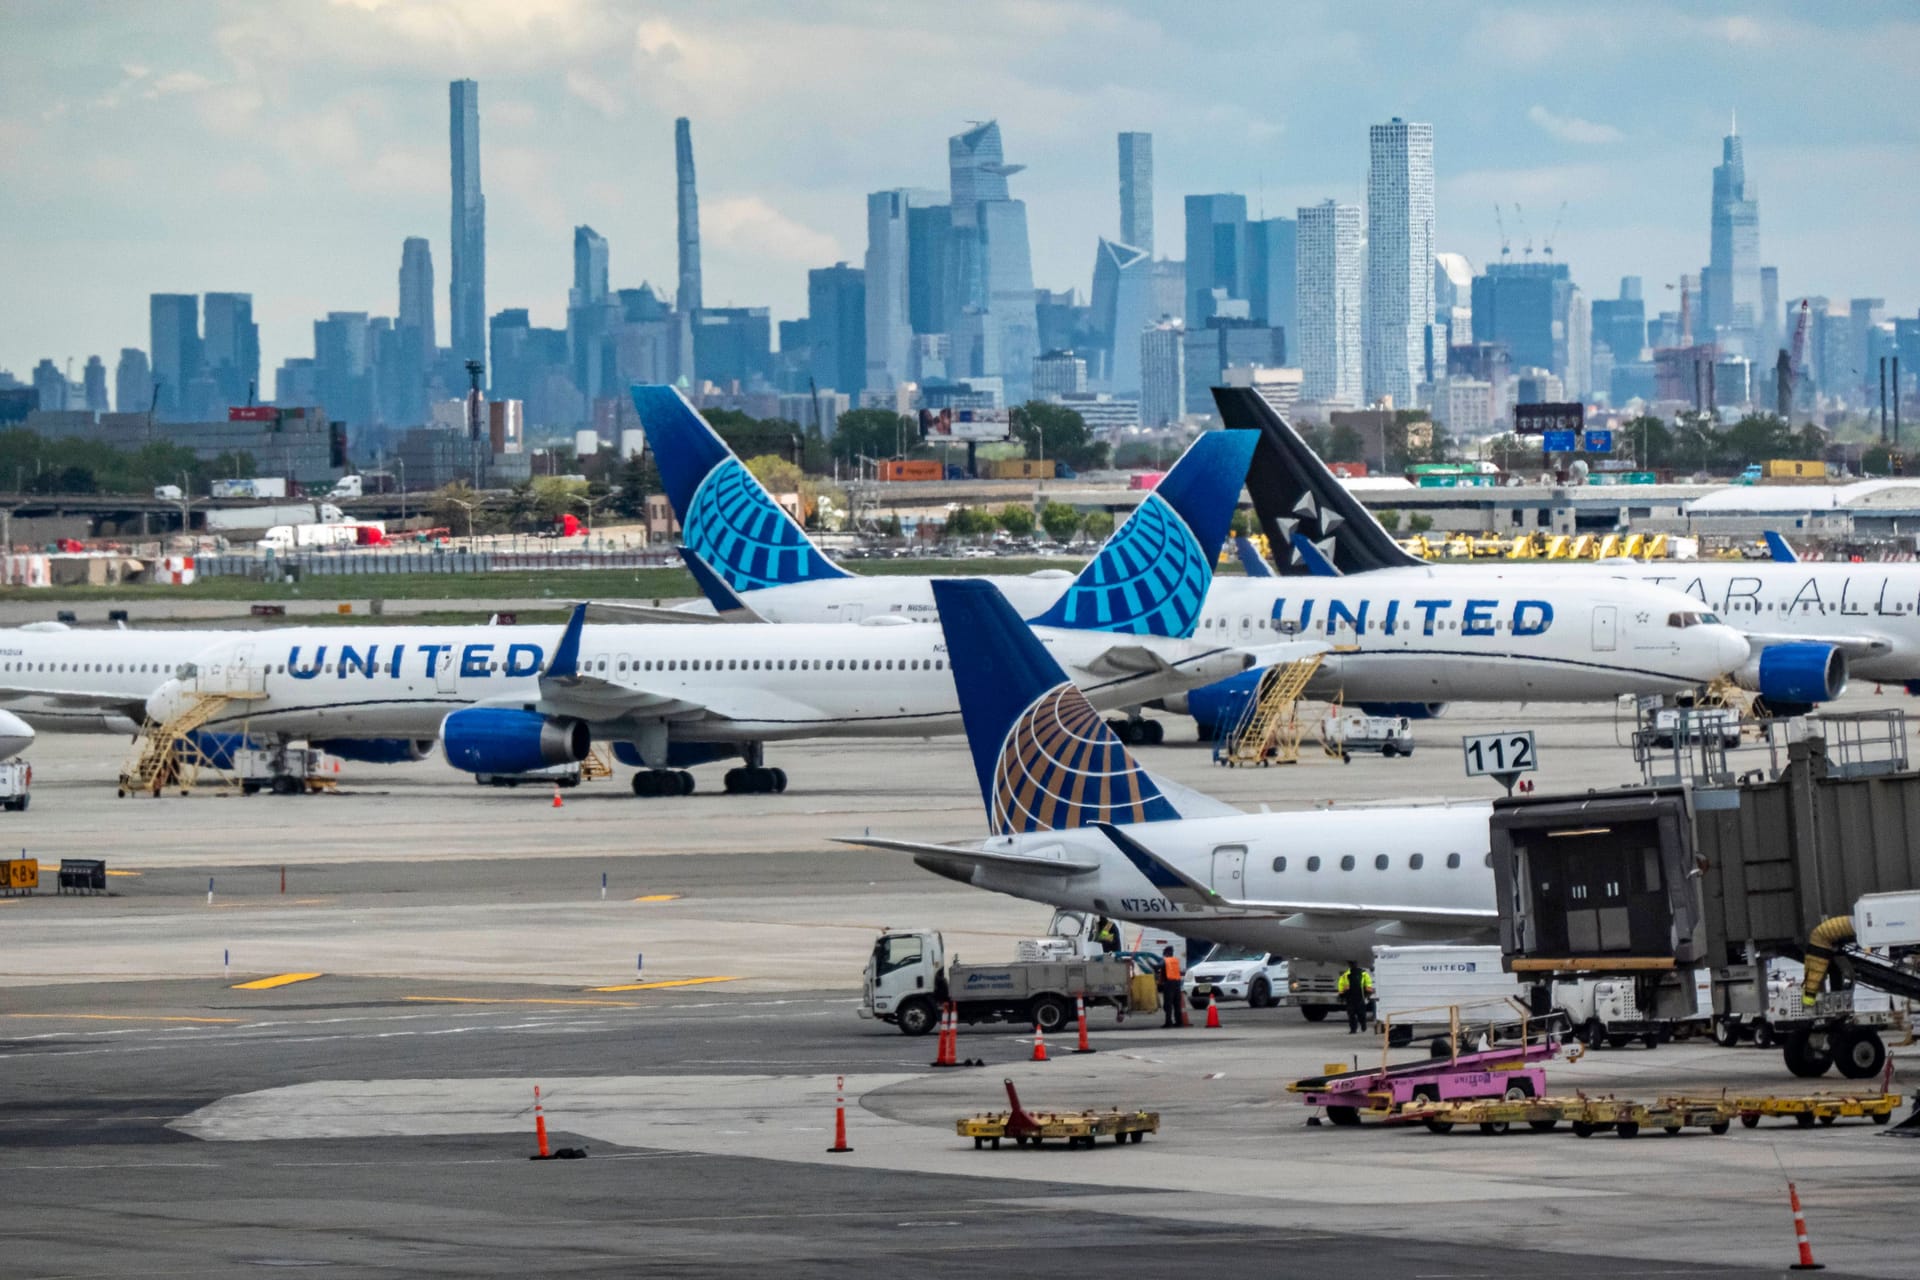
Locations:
1495 753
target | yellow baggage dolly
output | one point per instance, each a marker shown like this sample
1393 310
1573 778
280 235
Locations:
1077 1128
1823 1108
1585 1116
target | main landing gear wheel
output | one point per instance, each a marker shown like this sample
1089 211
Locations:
1141 732
663 782
755 780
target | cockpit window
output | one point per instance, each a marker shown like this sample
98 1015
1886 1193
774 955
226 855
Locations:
1691 619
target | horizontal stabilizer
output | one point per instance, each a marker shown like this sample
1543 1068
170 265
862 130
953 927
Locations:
973 855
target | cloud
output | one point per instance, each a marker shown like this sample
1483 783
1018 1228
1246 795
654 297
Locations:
748 224
1573 128
596 93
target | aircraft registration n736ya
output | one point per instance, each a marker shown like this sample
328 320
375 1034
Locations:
1808 625
669 695
1472 634
1077 823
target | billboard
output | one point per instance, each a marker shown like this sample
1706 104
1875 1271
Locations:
252 413
1535 419
945 426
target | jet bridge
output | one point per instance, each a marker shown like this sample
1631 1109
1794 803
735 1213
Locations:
1726 857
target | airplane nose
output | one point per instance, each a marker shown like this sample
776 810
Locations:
164 703
1731 649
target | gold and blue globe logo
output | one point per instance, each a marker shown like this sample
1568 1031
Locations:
1061 767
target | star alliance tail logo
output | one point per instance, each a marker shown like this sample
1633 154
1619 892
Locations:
1061 767
744 535
1150 579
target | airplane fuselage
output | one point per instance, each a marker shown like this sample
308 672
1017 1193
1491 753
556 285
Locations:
71 681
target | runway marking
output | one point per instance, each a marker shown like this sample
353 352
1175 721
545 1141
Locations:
658 986
118 1017
618 1004
658 897
277 980
54 866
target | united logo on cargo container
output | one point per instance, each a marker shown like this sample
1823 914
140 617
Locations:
1061 767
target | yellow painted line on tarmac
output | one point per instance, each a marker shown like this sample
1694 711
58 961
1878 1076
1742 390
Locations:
618 1004
54 866
659 897
277 980
117 1017
657 986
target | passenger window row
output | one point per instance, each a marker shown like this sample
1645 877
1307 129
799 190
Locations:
1381 862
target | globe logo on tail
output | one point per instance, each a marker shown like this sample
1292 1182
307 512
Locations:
1150 579
745 536
1061 767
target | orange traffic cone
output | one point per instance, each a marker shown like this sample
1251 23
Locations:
949 1049
1080 1011
1213 1013
556 798
540 1126
839 1116
1806 1262
1039 1044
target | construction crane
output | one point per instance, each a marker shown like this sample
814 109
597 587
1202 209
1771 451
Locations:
1546 246
1526 247
1506 245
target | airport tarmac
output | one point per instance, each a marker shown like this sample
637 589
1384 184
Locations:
375 1118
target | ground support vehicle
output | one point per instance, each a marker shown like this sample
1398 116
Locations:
1075 1128
1313 987
1342 734
1823 1108
1233 973
1617 1011
285 771
16 777
1845 1029
1586 1116
1382 1091
908 979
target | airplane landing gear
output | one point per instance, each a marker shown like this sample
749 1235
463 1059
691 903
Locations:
663 782
1138 731
756 780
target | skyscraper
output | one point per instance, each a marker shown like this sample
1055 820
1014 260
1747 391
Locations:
1732 280
230 346
467 290
989 268
1330 287
404 379
416 292
1399 304
688 298
837 327
1527 307
174 339
94 382
1162 375
1771 339
1216 252
889 321
132 381
51 386
1122 310
1136 191
1273 295
588 315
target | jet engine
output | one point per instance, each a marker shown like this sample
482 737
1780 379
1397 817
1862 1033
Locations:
506 740
379 750
1792 678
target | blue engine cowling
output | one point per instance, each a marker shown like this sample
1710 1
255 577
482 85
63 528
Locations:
505 740
379 750
1793 677
1408 710
218 749
1218 704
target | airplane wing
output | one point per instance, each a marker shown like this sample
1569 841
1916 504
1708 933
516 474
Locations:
646 613
1165 876
134 709
973 855
1852 646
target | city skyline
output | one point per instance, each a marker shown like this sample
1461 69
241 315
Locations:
301 202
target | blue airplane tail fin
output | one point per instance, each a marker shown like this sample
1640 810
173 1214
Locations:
1152 576
1778 548
1045 759
1251 560
726 516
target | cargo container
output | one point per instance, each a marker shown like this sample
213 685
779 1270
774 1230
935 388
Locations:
1347 470
1018 469
257 487
1792 469
911 469
1145 481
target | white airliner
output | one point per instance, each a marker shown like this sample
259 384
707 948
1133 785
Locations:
1419 637
1077 823
1808 625
668 695
73 681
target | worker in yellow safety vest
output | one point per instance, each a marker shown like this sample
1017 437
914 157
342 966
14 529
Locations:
1356 992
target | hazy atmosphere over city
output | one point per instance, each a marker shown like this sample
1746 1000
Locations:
287 149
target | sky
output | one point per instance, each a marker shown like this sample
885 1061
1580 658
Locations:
286 149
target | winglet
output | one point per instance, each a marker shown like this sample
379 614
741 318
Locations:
566 655
1152 575
1250 558
718 594
1317 563
749 540
1044 758
1777 545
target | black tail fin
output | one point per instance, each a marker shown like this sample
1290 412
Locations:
1293 492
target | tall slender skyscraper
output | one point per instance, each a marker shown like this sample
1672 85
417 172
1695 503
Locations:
467 290
174 339
589 314
689 299
230 345
1328 277
95 383
889 323
1732 283
1399 304
1136 191
994 318
404 377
